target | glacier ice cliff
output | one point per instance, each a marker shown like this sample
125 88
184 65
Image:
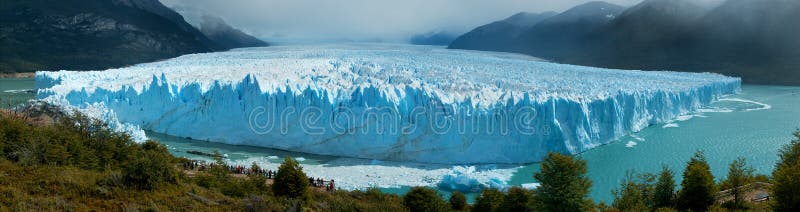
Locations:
385 102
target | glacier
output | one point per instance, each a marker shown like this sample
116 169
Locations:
384 101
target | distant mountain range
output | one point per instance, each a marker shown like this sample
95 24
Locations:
433 38
100 34
754 39
220 32
500 35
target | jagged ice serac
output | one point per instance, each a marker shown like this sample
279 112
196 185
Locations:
384 101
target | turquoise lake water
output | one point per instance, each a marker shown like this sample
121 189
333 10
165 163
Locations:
753 124
14 91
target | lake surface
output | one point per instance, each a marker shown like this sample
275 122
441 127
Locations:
14 91
753 124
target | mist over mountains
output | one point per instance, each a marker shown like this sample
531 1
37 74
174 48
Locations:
439 38
220 32
753 39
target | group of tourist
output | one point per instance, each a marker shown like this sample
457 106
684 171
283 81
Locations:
197 165
239 169
321 183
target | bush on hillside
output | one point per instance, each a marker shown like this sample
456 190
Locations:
424 199
564 185
786 178
458 201
697 189
290 180
489 200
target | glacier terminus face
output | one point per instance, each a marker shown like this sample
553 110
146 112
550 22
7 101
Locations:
385 102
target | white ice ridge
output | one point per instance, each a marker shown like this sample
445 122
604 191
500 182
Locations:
443 106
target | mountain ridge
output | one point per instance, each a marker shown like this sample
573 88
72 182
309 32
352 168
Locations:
93 35
223 34
743 38
500 35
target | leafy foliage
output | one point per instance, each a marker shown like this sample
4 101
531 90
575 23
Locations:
517 199
664 193
630 196
697 189
424 199
458 201
290 180
786 176
489 200
564 185
150 168
739 175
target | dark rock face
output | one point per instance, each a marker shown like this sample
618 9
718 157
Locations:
500 35
752 39
224 35
557 36
90 35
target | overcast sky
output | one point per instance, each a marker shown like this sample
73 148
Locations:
362 20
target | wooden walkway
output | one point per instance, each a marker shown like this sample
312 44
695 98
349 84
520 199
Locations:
754 192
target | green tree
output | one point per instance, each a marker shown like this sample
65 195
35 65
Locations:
563 184
148 171
697 188
424 199
489 200
219 171
290 180
664 193
739 175
786 178
517 199
458 201
632 195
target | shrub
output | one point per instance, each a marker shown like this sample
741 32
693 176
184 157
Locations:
630 196
424 199
786 178
148 171
697 189
489 200
563 184
458 201
664 193
290 180
517 199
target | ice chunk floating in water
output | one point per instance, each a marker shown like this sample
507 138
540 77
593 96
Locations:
467 179
387 102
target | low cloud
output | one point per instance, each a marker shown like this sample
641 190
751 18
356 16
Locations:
362 20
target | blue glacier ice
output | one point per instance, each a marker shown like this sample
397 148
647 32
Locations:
385 102
469 180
